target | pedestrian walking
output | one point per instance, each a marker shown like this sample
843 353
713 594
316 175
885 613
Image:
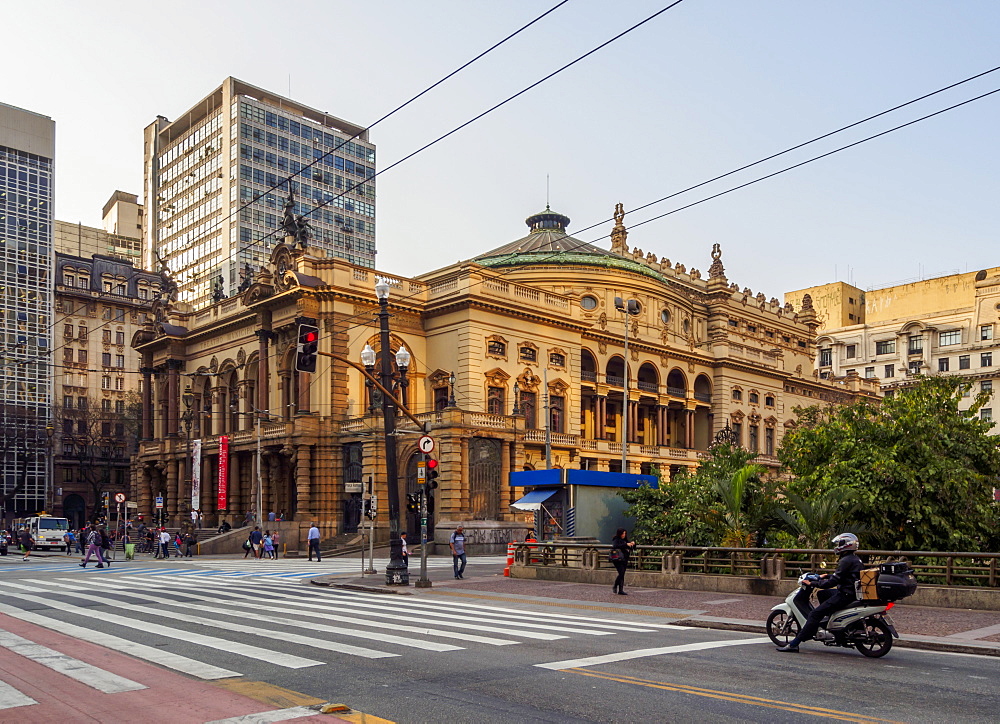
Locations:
268 545
105 543
256 541
190 541
274 540
93 547
81 541
406 552
27 543
457 543
313 539
621 548
164 544
70 540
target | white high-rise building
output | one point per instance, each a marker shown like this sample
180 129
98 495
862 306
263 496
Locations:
237 144
27 152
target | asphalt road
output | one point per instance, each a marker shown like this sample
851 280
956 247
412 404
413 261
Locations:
447 655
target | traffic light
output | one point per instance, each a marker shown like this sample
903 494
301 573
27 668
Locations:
106 500
307 349
432 482
412 503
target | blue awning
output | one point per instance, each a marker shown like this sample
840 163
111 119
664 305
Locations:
534 499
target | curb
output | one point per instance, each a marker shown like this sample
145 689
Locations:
327 583
926 645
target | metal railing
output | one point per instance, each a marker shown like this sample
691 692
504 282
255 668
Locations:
979 570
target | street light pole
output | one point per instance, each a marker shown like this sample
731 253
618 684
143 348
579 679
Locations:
187 417
395 572
630 308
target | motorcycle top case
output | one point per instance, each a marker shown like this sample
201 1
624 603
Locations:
895 568
892 587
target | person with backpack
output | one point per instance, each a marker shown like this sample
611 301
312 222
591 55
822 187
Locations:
27 543
268 544
190 541
105 545
93 547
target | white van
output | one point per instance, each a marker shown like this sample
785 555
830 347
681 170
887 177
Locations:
47 531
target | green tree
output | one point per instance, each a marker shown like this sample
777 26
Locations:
815 521
724 501
922 470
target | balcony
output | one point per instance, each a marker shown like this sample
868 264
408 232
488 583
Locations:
703 396
677 392
588 376
614 380
647 386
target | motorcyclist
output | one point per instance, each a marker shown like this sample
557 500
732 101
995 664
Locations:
848 573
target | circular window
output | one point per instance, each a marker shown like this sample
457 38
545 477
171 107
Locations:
665 316
588 303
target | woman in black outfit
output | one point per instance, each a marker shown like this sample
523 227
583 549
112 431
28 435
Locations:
621 543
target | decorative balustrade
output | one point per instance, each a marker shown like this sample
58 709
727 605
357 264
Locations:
614 380
932 568
647 386
676 392
703 396
485 419
588 376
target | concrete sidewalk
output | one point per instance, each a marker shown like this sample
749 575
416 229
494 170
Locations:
939 629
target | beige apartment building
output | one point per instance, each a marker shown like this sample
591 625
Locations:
101 301
946 325
120 238
516 346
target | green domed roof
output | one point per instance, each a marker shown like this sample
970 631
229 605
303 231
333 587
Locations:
548 243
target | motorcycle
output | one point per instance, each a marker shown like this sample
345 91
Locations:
863 625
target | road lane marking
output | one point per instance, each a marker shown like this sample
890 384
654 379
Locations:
264 717
95 678
325 602
739 698
641 653
154 655
255 616
11 698
312 612
665 613
277 658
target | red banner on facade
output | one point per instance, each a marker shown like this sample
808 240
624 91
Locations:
223 472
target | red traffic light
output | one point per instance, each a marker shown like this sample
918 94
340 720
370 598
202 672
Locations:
309 337
432 463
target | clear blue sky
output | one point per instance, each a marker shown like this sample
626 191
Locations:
704 88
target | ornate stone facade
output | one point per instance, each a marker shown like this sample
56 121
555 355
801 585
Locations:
502 343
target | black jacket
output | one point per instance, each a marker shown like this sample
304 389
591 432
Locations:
847 574
621 543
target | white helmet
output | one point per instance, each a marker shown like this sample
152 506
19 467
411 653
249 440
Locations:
845 542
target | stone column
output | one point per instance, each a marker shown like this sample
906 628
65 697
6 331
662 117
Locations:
147 396
236 503
461 497
262 401
661 425
218 411
633 420
303 471
505 489
302 404
689 429
173 395
602 416
172 494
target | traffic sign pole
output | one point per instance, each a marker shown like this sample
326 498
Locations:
423 581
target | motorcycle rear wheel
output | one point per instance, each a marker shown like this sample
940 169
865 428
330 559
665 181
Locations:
781 627
877 638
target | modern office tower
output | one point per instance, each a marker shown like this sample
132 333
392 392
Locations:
27 150
121 236
235 145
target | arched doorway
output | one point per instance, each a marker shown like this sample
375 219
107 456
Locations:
75 509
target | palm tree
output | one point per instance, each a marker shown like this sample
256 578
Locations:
817 520
733 519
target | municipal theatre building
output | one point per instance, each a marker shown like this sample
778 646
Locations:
517 361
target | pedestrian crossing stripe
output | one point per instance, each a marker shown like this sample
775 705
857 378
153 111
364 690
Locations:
11 698
212 642
328 611
99 679
181 608
140 651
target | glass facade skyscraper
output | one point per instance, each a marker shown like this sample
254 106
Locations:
27 149
236 145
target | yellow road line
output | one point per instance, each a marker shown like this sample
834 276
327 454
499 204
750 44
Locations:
276 696
608 609
736 698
